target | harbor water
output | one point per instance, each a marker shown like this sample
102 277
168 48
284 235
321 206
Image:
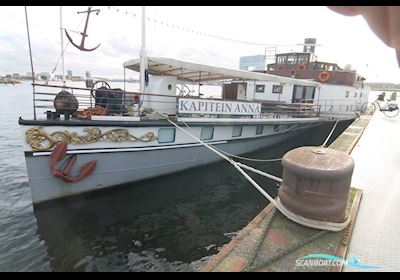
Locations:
170 223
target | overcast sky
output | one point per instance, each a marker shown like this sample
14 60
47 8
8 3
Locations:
344 40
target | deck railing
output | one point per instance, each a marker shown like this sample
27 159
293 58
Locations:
50 103
338 106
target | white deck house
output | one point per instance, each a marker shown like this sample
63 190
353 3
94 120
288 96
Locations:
246 86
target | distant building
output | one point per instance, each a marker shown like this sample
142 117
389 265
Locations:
88 75
44 75
250 63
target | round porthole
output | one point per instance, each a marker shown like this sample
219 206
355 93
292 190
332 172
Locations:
169 87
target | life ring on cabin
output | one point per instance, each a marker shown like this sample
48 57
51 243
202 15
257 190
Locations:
301 67
280 68
293 73
323 76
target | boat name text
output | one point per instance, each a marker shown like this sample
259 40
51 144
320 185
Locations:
206 106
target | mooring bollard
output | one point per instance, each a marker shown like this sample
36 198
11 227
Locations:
316 183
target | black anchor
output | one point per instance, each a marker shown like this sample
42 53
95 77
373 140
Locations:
82 45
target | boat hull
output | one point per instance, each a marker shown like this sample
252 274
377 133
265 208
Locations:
119 166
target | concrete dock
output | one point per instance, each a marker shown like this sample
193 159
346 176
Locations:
273 243
376 236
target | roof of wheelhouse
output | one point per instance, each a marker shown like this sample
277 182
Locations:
195 72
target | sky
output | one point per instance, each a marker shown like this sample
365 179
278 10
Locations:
342 40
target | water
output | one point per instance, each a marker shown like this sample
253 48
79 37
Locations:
172 223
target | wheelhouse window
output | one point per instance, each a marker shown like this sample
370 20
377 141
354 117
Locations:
291 59
281 59
166 135
277 89
237 131
302 58
259 129
260 88
347 93
355 94
207 133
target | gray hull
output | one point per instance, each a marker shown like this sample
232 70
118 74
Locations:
114 168
119 167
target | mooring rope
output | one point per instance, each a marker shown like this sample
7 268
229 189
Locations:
330 134
322 225
235 156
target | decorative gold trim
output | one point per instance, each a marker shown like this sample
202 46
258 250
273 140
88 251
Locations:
38 139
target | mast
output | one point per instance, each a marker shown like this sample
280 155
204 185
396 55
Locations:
143 58
62 47
30 56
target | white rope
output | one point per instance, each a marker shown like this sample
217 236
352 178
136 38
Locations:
287 213
330 134
249 159
311 222
235 156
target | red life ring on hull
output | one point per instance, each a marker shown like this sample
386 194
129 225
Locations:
301 67
323 76
293 73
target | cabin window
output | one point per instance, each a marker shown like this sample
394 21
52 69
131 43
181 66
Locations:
309 93
166 135
237 131
259 129
298 93
207 133
277 89
302 59
355 94
302 94
281 59
347 94
291 59
360 94
260 88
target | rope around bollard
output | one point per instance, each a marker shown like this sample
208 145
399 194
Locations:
322 225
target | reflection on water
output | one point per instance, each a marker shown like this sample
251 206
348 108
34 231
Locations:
171 223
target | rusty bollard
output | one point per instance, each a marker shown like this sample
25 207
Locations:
316 183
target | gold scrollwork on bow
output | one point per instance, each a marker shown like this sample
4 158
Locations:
38 139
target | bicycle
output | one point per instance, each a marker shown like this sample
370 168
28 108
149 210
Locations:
390 110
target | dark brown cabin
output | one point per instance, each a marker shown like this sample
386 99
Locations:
303 65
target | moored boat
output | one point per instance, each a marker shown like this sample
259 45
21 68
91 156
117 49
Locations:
85 139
